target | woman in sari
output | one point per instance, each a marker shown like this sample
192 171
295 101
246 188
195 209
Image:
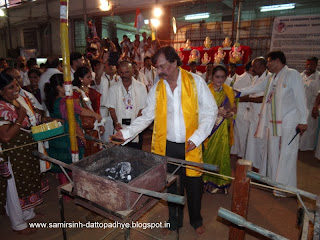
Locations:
217 151
89 101
60 148
21 183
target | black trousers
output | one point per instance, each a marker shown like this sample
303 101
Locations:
194 190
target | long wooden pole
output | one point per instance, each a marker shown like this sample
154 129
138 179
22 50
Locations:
67 78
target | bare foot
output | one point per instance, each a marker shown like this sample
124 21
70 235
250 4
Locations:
200 230
26 231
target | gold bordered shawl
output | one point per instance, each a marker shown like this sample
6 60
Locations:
190 110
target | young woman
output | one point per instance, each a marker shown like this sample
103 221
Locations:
55 101
217 151
89 100
21 183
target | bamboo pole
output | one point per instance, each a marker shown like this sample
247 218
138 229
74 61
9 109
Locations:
67 78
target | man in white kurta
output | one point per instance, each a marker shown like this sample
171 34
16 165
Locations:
311 80
256 149
126 99
283 110
167 61
149 71
241 126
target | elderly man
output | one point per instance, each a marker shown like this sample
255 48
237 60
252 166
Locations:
126 99
283 113
256 149
184 112
311 80
149 71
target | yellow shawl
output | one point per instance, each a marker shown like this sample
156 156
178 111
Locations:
190 110
230 95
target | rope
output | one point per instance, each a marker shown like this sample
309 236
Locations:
28 144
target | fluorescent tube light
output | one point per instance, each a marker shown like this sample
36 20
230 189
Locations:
196 16
277 7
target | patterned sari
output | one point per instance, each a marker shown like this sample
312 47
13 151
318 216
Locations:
217 151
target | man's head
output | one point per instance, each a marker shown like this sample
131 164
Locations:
20 60
276 61
125 71
248 68
147 62
135 67
137 37
14 73
76 60
3 63
259 65
166 61
95 64
145 48
209 67
193 67
232 69
144 35
311 65
53 62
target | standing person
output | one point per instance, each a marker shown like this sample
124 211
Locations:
184 112
52 65
89 99
22 68
34 77
232 78
207 76
126 100
217 151
256 150
139 76
21 183
311 80
241 126
76 61
149 71
193 68
283 111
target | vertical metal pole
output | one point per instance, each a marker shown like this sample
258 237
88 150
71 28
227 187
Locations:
233 10
9 26
240 197
239 20
67 78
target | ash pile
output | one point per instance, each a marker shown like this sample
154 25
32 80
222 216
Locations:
120 171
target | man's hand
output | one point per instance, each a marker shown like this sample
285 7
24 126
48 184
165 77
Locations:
190 146
116 138
302 128
117 127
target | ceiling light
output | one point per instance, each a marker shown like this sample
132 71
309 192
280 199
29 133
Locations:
157 12
105 5
155 22
277 7
146 21
196 16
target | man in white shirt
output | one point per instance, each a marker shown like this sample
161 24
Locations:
22 68
76 61
126 99
256 149
52 65
193 68
139 76
173 85
241 126
149 71
283 112
233 76
311 81
207 76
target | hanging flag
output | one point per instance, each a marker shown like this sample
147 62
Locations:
139 21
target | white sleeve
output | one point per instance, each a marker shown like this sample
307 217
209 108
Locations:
111 97
142 122
143 96
299 96
256 88
208 112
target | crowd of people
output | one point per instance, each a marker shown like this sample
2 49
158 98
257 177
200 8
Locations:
119 91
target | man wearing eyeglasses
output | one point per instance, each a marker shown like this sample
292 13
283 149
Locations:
184 111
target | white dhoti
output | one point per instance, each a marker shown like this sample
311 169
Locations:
108 126
17 216
282 158
241 128
256 150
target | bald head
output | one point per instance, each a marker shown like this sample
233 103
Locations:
125 71
259 65
53 62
